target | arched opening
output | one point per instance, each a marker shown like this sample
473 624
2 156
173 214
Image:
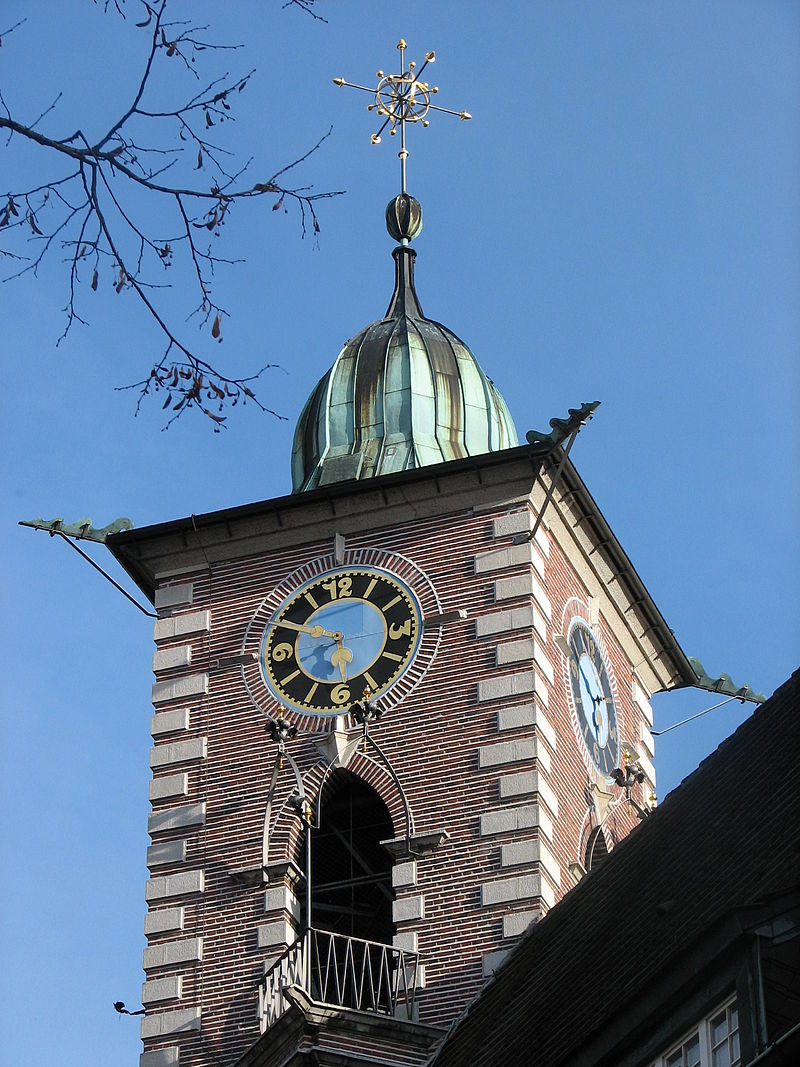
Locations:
351 872
596 848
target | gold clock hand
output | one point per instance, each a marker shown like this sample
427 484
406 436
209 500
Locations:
315 631
341 657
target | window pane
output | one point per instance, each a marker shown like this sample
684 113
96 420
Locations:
720 1057
676 1059
719 1028
736 1054
692 1051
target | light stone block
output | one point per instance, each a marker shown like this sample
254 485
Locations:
514 785
407 941
545 824
523 887
543 541
162 1057
174 885
648 768
513 523
404 874
173 596
196 748
194 685
166 659
506 621
181 1021
539 623
408 909
518 922
527 585
549 863
509 820
162 989
647 739
176 818
163 852
642 699
171 953
281 898
170 785
515 718
507 752
548 893
512 556
515 651
518 852
510 685
492 960
169 722
547 795
275 935
164 920
508 588
194 622
527 650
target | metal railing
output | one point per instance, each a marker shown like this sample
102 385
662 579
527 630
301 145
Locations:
346 972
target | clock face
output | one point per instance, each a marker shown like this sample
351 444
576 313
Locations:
592 698
347 629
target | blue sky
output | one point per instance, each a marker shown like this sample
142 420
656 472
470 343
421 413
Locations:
620 221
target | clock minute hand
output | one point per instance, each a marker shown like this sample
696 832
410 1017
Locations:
315 631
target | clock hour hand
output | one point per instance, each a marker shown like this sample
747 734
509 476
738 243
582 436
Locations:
595 700
341 657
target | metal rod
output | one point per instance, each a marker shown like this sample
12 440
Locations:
97 567
554 483
675 725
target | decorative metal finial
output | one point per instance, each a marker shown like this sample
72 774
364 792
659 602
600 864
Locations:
402 98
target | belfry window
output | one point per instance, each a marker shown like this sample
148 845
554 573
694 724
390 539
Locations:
351 872
596 848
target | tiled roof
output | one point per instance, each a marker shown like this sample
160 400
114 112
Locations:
725 839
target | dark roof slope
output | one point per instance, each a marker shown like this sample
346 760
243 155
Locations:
725 839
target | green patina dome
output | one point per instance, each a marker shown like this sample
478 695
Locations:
404 393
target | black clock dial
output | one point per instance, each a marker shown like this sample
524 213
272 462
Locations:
342 632
592 698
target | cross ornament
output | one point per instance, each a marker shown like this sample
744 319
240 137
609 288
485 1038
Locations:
401 98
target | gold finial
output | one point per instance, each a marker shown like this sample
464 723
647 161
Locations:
403 98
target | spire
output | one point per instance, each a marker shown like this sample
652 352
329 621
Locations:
406 391
403 393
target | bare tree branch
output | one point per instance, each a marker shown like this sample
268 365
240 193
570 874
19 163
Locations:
100 212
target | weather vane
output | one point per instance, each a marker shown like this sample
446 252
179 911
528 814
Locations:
402 98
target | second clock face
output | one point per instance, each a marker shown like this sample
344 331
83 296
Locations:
592 698
345 630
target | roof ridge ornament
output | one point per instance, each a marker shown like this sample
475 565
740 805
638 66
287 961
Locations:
401 98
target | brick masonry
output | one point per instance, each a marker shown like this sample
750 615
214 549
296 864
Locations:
484 747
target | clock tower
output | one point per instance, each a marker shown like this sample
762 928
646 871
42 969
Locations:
387 710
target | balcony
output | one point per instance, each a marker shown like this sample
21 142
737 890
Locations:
341 971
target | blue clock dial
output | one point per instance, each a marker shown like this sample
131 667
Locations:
592 698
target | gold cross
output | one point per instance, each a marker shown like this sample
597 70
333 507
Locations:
402 98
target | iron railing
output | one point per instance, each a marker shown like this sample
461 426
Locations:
342 971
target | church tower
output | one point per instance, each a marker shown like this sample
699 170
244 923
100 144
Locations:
387 710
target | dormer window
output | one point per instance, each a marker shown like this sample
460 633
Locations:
714 1042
